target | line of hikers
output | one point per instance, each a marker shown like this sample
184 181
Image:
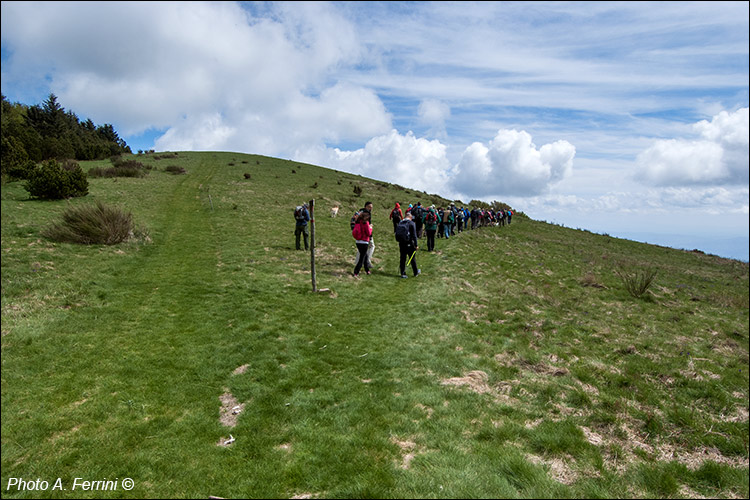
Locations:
446 222
408 228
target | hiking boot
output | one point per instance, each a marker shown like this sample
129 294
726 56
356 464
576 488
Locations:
367 272
404 276
419 271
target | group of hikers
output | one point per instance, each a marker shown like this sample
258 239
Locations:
446 222
408 227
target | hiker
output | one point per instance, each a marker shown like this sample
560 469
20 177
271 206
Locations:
302 216
448 221
418 217
430 227
510 214
362 234
454 212
406 235
371 245
396 216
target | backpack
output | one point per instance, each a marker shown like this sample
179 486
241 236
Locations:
417 212
431 217
396 215
299 213
402 232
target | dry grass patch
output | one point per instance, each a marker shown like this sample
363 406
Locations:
409 450
475 380
559 469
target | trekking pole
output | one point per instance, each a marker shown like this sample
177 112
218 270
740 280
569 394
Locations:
412 256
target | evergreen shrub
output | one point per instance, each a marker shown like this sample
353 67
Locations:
54 181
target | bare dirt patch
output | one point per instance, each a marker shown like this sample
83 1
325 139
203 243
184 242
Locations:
240 369
230 409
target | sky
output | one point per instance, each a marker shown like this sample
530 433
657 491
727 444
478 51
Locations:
621 118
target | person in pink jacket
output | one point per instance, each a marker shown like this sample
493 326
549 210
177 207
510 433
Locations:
362 233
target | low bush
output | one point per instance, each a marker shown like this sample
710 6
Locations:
116 172
54 181
176 170
637 281
120 168
92 225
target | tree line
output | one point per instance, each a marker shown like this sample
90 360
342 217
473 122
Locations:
32 134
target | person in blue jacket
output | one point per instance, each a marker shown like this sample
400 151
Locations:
302 216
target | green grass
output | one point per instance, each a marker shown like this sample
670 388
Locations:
517 365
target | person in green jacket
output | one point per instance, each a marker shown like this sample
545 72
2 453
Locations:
448 220
430 220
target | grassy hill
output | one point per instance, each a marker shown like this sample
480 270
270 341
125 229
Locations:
517 365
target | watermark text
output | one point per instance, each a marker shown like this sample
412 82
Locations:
74 484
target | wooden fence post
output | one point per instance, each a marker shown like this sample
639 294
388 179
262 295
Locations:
312 244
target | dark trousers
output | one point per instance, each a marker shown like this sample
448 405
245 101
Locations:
431 239
362 247
407 250
301 230
419 228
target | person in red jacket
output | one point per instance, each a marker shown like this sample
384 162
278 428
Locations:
362 233
396 216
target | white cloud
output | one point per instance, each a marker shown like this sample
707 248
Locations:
401 159
511 164
433 113
718 157
211 74
197 133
